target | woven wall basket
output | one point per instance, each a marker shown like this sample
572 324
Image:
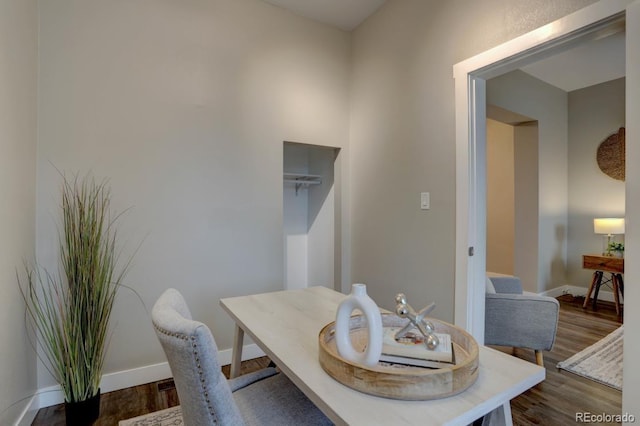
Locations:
611 155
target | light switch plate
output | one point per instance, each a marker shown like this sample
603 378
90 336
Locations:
425 202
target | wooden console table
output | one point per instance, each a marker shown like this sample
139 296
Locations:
601 264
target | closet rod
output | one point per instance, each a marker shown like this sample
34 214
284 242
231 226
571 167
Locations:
303 182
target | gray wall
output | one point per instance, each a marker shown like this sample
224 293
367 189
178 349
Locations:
402 137
500 197
512 197
526 95
526 203
18 79
594 113
184 106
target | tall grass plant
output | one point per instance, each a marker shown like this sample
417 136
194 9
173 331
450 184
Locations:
70 309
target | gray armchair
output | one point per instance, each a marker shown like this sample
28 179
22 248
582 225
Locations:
206 397
517 319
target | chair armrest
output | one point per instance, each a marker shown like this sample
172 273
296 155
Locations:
521 321
510 285
247 379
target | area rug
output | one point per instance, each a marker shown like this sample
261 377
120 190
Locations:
169 417
601 362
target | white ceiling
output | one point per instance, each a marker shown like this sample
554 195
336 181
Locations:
588 64
343 14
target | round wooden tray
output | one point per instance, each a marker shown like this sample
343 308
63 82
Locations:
401 382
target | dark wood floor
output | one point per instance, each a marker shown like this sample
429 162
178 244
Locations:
553 402
136 401
557 400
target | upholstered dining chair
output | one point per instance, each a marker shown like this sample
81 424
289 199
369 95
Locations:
519 319
265 397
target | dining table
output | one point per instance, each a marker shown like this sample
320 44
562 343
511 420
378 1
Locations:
286 324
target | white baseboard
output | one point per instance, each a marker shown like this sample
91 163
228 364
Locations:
52 395
574 290
28 415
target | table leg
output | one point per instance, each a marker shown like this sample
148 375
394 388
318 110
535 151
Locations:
620 284
506 409
236 355
593 283
501 416
597 289
616 296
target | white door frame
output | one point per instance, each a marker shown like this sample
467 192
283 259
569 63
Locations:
470 98
631 374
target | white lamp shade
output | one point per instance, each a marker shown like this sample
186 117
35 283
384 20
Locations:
608 226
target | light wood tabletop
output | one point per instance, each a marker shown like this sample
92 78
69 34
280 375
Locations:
286 324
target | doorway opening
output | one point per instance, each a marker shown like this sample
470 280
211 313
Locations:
471 75
311 224
512 195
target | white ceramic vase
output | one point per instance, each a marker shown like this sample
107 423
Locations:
358 299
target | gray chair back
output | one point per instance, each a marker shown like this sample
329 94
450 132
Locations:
205 396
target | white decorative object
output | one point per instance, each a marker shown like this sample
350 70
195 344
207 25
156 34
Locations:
358 299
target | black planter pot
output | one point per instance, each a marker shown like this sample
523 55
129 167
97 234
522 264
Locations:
83 413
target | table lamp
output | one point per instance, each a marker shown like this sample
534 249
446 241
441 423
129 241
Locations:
609 226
